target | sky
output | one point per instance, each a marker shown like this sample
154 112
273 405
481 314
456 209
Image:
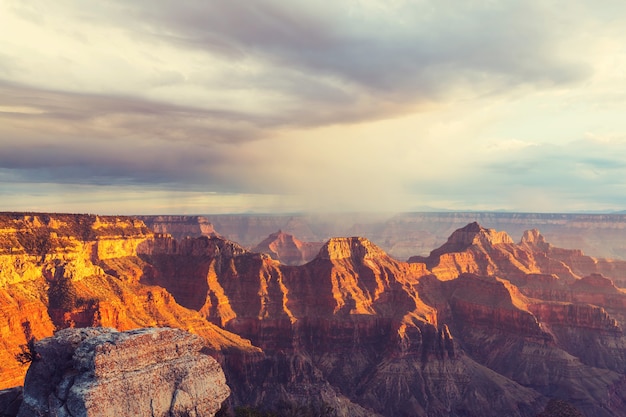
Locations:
218 106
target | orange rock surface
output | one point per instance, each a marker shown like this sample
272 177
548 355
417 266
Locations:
93 260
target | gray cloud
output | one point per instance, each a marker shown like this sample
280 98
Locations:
93 139
358 67
323 65
418 45
334 66
67 106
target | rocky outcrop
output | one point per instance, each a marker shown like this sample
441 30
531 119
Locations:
285 248
180 227
560 408
102 372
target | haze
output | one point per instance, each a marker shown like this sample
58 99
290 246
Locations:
240 106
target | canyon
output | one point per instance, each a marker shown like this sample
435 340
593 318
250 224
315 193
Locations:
407 234
480 326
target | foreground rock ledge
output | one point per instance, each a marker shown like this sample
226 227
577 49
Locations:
97 372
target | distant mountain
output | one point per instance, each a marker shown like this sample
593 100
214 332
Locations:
179 227
408 234
287 249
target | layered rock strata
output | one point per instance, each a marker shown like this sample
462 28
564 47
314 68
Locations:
59 271
287 249
349 328
379 330
101 372
180 227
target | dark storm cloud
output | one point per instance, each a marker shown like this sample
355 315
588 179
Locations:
128 112
93 139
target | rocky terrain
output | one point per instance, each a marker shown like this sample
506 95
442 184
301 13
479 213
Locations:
59 271
287 249
408 234
483 326
102 372
379 330
179 227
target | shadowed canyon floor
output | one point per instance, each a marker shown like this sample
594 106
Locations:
483 326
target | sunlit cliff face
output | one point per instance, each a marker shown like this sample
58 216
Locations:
60 271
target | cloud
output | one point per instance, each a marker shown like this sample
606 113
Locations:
382 52
94 139
317 65
276 97
580 172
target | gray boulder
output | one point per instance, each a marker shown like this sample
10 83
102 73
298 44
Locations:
100 372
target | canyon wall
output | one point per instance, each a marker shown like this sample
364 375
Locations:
378 330
59 271
482 326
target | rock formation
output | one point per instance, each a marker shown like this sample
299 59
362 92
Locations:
476 249
483 326
407 234
59 271
285 248
249 230
180 227
101 372
348 327
559 408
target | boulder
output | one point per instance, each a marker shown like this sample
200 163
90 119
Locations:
99 372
